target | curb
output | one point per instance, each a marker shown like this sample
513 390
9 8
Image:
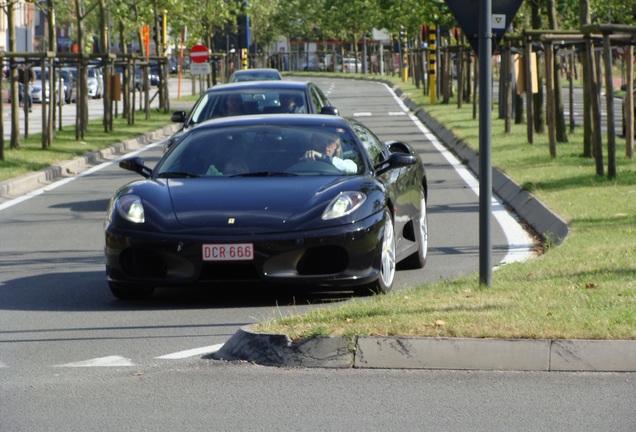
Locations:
430 353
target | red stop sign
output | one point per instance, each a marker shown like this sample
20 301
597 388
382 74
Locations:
199 53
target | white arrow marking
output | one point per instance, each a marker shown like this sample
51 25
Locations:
109 361
192 352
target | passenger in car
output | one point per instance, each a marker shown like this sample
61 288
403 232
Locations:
233 106
290 103
327 148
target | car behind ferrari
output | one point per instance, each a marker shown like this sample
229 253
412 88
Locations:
310 200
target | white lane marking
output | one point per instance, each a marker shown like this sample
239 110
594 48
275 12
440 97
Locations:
192 352
520 243
397 113
3 365
109 361
64 181
362 114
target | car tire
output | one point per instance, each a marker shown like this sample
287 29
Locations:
420 232
387 260
125 291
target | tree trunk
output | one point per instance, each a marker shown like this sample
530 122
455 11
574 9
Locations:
529 93
609 98
596 107
13 70
559 117
584 18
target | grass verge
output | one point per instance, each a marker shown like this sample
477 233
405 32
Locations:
583 289
31 157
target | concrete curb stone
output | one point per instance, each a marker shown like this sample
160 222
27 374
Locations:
366 352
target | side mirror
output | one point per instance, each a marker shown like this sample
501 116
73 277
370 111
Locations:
397 147
330 110
179 116
136 164
395 160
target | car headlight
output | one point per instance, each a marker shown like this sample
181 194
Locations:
131 208
343 204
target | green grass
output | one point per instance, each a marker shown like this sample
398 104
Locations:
31 157
583 289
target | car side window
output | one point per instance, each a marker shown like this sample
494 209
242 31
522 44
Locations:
374 147
203 110
318 98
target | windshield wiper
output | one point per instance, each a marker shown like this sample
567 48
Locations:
177 174
265 174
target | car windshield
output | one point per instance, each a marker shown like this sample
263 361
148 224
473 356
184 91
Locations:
38 74
263 150
255 76
250 101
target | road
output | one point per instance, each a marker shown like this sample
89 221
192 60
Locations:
68 112
74 358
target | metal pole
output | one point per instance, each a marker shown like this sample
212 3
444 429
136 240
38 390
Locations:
485 134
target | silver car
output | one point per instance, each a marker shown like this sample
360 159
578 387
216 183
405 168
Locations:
95 82
40 87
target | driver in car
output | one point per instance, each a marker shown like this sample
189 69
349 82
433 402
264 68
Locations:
327 148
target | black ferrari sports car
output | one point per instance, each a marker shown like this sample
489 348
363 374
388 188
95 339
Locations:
310 200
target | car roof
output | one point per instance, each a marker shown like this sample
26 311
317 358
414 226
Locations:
256 70
278 119
265 85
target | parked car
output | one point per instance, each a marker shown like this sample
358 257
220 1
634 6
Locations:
69 78
262 74
351 65
249 199
153 78
40 88
313 64
258 97
95 82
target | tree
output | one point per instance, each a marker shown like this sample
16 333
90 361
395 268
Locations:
584 18
561 135
9 9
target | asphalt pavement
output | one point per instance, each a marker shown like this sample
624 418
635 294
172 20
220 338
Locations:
393 352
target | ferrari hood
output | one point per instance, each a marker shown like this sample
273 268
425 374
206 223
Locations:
258 203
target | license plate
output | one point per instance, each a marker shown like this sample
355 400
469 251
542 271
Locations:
228 252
